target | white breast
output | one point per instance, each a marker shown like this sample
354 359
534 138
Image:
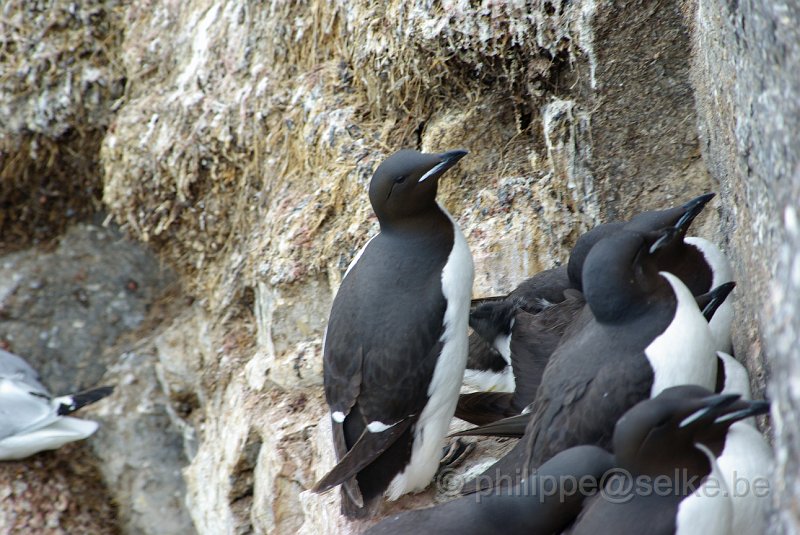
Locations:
737 380
490 381
502 343
30 423
434 420
746 465
708 511
684 352
723 317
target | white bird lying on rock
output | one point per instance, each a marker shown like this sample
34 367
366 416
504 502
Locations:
30 419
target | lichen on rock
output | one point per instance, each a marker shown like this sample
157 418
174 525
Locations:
59 80
238 139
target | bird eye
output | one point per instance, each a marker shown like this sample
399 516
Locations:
400 179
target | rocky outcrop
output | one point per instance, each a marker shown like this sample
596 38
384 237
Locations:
745 60
242 149
71 308
59 80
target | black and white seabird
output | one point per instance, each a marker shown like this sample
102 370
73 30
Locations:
662 441
396 342
531 340
550 293
490 365
545 329
489 354
585 489
482 408
721 272
700 264
646 334
538 507
744 460
31 420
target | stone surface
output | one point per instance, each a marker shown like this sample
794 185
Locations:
745 72
141 449
65 306
59 80
243 145
56 493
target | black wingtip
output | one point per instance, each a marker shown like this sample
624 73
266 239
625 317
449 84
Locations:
366 449
73 402
482 408
511 427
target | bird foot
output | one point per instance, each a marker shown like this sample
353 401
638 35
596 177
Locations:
455 453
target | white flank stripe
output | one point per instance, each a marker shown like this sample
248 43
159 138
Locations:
434 420
709 510
684 352
489 381
502 343
723 317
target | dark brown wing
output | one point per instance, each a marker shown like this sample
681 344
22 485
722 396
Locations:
534 338
588 409
366 449
579 401
481 408
542 290
513 427
381 348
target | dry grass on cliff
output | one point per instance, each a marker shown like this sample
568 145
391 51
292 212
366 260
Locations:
45 185
283 197
57 82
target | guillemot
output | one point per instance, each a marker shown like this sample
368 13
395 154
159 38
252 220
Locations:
396 342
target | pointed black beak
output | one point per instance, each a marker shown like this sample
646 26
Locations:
716 297
692 209
667 236
446 161
709 406
453 155
755 408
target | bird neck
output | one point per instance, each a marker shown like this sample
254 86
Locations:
429 222
685 470
622 294
689 265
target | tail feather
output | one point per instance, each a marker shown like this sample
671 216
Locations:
71 403
513 427
363 452
352 510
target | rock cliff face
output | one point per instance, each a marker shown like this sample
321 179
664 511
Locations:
237 139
